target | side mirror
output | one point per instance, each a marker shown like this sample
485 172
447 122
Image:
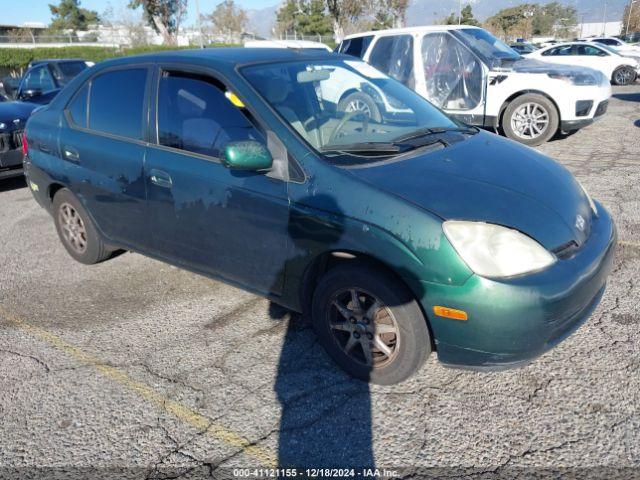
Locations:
36 92
247 155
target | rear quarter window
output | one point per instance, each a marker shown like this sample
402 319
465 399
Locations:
77 108
356 46
116 102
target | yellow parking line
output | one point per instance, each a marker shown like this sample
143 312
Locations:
187 415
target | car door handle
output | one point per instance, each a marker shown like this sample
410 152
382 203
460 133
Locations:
71 154
160 178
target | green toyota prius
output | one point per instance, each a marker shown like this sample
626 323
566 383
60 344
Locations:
396 229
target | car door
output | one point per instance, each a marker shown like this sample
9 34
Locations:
594 57
103 146
562 55
228 223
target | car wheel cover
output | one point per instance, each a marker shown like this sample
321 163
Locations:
623 76
357 105
73 229
530 120
363 327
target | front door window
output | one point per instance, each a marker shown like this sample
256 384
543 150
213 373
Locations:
453 75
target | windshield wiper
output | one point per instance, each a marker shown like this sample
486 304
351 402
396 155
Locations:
433 131
378 148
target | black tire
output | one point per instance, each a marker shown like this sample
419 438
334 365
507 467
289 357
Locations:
88 247
623 75
409 348
362 99
543 104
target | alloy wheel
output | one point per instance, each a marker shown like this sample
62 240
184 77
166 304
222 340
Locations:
530 120
357 105
623 76
363 327
73 229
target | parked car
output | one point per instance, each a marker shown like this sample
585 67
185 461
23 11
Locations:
631 38
40 84
13 117
523 48
478 79
44 79
397 237
620 45
620 70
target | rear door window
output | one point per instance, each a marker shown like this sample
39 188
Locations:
195 114
393 55
116 102
559 51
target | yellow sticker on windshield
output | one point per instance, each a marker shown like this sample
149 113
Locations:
233 98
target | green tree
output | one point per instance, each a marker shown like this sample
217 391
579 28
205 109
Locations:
228 17
164 16
343 13
68 15
314 20
466 17
287 17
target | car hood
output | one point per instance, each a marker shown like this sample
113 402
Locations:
491 179
15 114
530 64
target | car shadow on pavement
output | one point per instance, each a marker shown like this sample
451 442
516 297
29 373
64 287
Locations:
627 97
326 415
14 183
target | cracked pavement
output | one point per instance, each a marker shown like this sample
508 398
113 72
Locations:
136 369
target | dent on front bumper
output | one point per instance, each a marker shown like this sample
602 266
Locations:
511 322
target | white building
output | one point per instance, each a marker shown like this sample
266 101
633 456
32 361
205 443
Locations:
593 29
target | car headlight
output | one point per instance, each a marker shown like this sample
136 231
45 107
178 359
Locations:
592 204
495 251
579 79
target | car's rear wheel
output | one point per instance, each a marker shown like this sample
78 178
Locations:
370 324
76 230
531 119
623 76
360 102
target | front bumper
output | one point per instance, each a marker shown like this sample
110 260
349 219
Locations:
11 150
512 321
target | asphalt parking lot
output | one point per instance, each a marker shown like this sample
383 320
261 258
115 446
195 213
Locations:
133 368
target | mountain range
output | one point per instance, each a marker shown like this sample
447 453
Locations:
428 12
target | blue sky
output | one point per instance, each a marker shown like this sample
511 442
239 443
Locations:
22 11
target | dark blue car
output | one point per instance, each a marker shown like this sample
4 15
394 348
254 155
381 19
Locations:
398 235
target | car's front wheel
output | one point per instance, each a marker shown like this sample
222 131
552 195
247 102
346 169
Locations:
76 230
531 119
370 324
623 76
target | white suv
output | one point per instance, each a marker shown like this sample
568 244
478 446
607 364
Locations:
478 79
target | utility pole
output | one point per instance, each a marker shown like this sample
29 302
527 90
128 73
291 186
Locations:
626 31
604 19
199 24
459 12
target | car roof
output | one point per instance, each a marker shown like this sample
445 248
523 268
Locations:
55 60
424 28
224 56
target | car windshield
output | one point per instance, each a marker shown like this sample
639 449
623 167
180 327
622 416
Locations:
347 106
609 49
66 71
492 50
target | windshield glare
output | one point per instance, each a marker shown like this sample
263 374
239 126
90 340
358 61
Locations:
492 50
337 103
